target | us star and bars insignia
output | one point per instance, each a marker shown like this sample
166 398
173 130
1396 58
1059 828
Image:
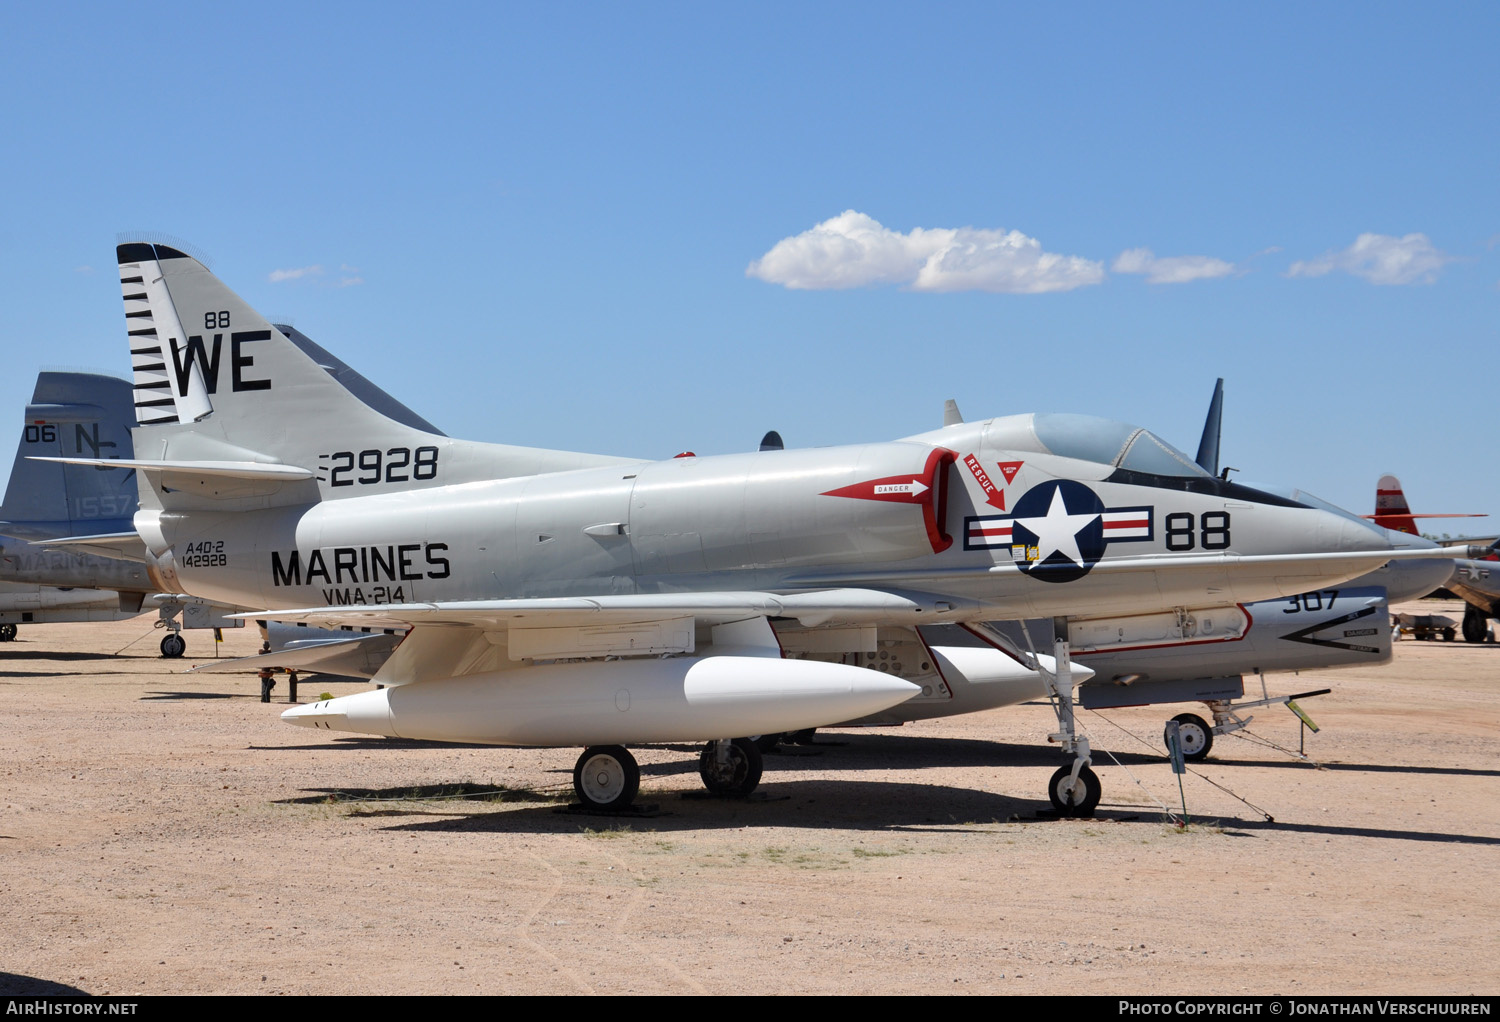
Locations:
1059 530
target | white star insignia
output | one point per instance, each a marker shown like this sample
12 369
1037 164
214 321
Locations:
1058 531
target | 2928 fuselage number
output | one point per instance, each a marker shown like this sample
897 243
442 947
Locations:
1210 531
396 465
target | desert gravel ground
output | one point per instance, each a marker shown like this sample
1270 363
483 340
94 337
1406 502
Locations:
165 833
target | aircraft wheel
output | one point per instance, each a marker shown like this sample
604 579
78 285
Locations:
606 777
1195 736
1448 634
1476 626
765 743
173 645
7 633
738 776
1084 796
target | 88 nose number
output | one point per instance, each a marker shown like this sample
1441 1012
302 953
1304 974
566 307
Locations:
1209 531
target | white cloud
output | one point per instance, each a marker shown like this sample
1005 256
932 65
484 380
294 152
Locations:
855 250
1172 269
1380 259
277 276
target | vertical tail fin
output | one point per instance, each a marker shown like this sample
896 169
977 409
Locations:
85 415
1391 510
1208 446
219 387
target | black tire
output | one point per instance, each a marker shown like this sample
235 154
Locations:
1449 634
173 646
7 633
739 776
765 743
606 777
1083 799
1195 736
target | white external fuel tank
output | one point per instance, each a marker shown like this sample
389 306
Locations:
678 699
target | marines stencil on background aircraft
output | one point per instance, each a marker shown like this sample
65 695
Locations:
559 598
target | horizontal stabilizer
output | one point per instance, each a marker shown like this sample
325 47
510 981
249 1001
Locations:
213 469
125 545
216 480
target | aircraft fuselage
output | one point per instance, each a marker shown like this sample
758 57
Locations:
1020 534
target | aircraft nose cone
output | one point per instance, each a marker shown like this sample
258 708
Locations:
1339 533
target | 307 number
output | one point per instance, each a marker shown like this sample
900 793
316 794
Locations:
397 465
1210 531
1311 601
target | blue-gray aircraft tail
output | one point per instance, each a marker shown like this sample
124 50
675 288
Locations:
86 415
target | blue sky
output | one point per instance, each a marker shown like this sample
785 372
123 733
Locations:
643 229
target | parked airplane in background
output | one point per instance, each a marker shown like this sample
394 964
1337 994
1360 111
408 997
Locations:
1393 512
84 414
1475 580
559 598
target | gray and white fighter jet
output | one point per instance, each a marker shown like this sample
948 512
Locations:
560 598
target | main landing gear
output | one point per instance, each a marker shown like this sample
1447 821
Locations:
1476 625
607 778
1194 736
730 767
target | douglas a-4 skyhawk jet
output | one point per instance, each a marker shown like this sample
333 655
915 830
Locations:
558 598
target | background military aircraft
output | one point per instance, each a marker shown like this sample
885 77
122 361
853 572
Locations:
567 598
70 413
1474 580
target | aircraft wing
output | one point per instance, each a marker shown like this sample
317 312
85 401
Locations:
460 638
822 607
875 598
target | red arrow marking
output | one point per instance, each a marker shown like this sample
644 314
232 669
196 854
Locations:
1009 469
907 489
992 496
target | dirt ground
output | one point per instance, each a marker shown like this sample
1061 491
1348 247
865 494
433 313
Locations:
164 833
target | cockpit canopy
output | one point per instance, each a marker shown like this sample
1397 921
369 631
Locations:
1093 439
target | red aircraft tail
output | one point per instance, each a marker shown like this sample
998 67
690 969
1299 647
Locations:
1391 509
1392 512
